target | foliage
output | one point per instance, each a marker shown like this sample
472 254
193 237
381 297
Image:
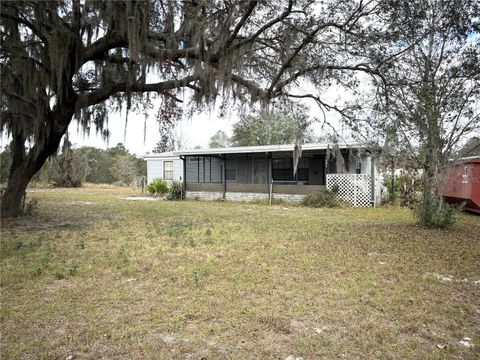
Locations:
167 139
175 191
219 140
410 184
5 163
157 187
471 148
439 214
426 100
99 164
321 198
271 127
67 169
392 190
94 165
124 169
115 164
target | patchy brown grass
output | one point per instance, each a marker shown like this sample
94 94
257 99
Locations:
96 276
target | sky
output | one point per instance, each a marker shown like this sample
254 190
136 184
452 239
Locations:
194 130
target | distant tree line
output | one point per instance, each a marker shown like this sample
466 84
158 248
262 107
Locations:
72 167
275 127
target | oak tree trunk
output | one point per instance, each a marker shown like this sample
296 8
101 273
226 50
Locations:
26 165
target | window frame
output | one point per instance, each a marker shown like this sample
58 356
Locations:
169 171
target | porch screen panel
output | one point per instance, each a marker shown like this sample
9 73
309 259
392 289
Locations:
302 170
231 170
216 169
282 169
192 164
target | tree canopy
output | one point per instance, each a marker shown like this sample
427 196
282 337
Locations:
273 127
219 140
426 102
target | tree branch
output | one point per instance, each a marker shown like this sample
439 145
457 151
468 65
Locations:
252 4
164 54
268 25
103 94
98 49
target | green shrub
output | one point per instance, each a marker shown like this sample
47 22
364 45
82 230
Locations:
175 192
157 187
321 198
439 214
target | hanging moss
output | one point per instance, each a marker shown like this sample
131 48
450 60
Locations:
339 160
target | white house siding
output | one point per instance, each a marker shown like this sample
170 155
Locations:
178 170
155 169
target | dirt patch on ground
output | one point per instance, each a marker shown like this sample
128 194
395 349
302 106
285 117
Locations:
140 198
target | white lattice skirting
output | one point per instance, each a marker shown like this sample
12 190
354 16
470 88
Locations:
355 189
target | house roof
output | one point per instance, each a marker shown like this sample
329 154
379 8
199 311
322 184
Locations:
169 154
256 149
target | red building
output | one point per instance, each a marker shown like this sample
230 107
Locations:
462 183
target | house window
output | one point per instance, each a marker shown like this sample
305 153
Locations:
168 170
231 170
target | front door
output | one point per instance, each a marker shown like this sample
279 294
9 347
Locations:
260 171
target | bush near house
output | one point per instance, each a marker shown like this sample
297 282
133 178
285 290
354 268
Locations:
321 198
441 214
175 191
157 187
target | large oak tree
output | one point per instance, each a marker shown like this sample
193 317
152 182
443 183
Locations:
79 60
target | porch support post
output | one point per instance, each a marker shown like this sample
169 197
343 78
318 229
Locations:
184 160
270 178
198 169
372 173
224 176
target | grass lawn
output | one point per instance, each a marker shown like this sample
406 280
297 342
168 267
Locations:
94 275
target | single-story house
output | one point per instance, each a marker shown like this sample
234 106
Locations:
166 166
267 172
